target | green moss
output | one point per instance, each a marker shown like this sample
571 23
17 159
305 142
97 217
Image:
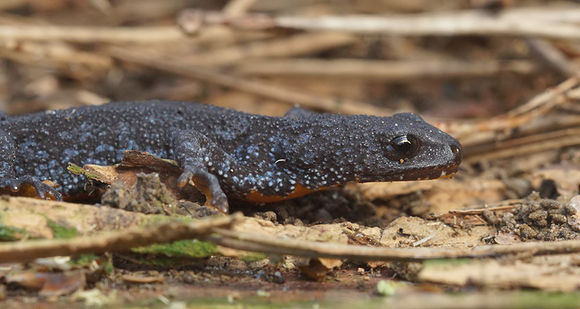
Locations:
546 300
84 259
109 267
183 248
10 233
253 257
77 170
61 231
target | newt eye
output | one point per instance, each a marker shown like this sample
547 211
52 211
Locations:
403 147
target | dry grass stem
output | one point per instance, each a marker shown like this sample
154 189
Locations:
79 34
382 70
523 146
301 44
254 87
553 57
462 23
485 131
36 52
539 22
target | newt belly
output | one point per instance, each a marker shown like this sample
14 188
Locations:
257 197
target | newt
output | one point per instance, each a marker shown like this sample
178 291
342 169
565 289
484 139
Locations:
225 153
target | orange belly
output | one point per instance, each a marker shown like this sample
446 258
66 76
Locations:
257 197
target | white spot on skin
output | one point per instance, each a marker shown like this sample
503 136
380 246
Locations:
443 173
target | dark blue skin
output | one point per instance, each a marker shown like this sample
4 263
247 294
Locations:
246 156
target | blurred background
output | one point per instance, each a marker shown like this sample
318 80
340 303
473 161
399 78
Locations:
499 75
444 59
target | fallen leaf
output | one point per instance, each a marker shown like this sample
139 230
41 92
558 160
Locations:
506 238
330 263
314 269
49 284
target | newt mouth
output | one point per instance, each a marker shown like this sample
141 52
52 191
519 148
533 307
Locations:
433 173
427 173
423 174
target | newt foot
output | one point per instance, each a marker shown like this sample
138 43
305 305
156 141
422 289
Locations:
207 184
42 189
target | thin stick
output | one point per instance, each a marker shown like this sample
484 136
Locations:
553 57
572 138
111 241
91 34
300 44
480 210
462 23
555 95
269 244
254 87
35 52
381 70
540 22
475 133
537 141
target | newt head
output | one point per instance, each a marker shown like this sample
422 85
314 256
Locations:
336 149
404 147
408 148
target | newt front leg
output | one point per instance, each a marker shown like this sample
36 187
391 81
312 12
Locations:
202 159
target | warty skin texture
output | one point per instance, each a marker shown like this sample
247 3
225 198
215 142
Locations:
225 152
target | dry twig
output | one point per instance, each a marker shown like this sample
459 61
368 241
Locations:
57 54
300 44
553 57
275 245
91 34
112 241
476 133
501 206
523 146
538 22
253 87
382 70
